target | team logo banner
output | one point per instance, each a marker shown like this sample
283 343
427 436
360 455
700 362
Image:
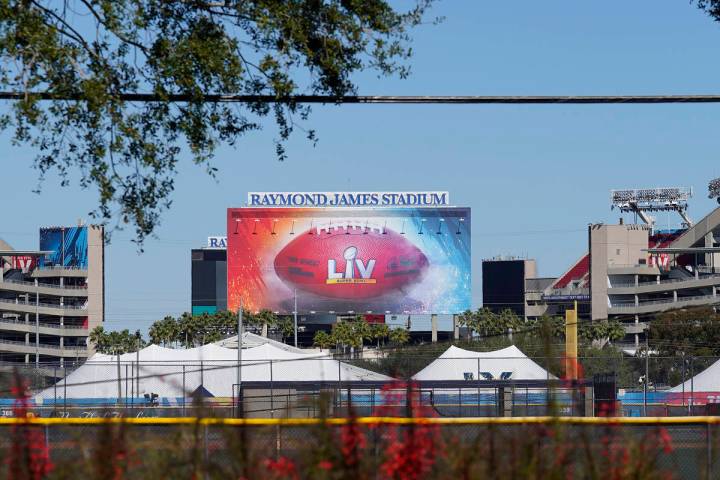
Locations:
400 260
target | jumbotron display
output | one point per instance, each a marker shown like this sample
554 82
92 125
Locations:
354 260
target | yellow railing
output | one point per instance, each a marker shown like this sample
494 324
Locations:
705 420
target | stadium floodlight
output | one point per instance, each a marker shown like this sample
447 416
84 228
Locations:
714 189
643 200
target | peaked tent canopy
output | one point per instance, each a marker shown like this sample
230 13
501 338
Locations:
506 364
706 381
251 340
175 373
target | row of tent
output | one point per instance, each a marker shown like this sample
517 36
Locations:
211 370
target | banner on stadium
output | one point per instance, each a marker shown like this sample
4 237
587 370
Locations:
69 247
361 261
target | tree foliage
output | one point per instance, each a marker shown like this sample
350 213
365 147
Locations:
191 331
87 55
116 342
693 332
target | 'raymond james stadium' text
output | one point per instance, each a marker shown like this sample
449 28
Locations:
348 199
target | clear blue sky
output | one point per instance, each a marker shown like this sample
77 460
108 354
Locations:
533 175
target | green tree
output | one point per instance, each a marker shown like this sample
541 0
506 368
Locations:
380 331
323 339
486 323
73 65
267 319
693 332
164 332
399 336
285 325
116 342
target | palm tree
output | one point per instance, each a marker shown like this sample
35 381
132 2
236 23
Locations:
342 334
164 331
323 339
399 336
99 339
379 332
266 319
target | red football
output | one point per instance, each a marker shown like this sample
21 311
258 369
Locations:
350 261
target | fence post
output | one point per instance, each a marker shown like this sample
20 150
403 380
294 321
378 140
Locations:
64 391
692 385
272 393
184 392
478 384
709 451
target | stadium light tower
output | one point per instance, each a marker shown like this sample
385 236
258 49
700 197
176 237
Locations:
645 200
714 189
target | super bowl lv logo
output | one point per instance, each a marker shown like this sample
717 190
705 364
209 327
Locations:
352 264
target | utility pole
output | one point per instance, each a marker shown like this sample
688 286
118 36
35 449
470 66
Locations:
295 317
647 370
239 352
37 325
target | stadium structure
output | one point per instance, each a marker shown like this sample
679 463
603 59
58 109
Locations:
51 298
208 273
629 272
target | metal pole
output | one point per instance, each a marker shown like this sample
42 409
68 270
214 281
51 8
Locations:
137 360
683 379
692 386
119 377
295 317
64 390
37 325
647 372
239 352
183 389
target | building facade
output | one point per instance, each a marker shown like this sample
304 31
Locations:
51 298
630 273
208 271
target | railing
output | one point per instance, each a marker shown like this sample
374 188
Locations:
45 285
662 282
631 305
44 305
42 325
44 345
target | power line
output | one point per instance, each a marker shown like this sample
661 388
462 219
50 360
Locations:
384 99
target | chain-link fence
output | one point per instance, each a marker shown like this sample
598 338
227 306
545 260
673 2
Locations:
453 387
362 448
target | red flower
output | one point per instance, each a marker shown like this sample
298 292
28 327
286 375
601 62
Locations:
666 440
325 465
352 443
283 467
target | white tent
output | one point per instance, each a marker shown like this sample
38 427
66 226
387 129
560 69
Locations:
251 340
706 381
505 364
177 373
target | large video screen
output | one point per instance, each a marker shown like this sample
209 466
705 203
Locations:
354 260
69 247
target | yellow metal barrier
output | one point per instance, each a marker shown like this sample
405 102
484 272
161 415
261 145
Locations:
705 420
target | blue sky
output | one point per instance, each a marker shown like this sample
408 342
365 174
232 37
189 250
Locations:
535 176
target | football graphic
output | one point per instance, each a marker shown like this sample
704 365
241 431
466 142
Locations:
350 261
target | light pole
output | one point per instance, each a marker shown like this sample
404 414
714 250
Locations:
37 325
295 317
239 352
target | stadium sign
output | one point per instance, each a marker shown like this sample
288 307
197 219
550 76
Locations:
348 199
217 242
